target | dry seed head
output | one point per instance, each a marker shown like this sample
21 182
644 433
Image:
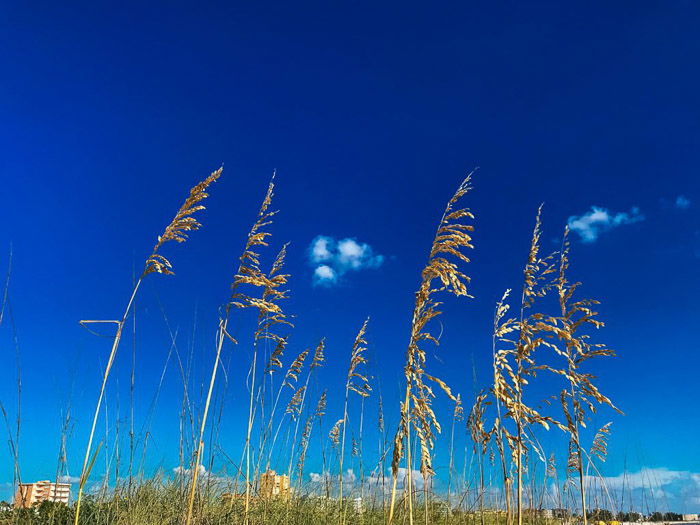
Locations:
459 409
257 235
575 315
182 223
275 361
334 434
270 313
600 442
401 433
551 471
249 272
294 405
277 279
573 462
452 236
319 357
295 369
321 405
514 364
380 417
356 381
318 413
476 423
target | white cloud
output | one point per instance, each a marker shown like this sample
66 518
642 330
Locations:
375 479
333 258
188 472
324 274
321 477
204 476
353 255
682 202
318 477
69 479
644 478
671 490
416 479
321 249
598 220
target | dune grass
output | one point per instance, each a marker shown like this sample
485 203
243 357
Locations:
548 342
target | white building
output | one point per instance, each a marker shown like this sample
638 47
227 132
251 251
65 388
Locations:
30 493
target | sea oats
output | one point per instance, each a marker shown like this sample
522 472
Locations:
440 274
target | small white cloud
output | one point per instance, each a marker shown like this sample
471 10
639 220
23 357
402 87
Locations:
204 475
69 479
598 220
321 477
325 275
188 472
321 249
417 479
682 202
354 255
333 258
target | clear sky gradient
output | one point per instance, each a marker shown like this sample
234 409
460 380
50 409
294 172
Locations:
371 115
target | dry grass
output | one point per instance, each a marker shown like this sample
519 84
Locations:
178 229
551 347
452 236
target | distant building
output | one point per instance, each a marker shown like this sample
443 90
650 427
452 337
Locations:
357 505
273 485
690 517
30 493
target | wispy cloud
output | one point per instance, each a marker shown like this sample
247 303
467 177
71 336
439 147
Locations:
322 477
203 475
188 472
682 202
644 478
332 258
69 479
375 480
417 479
671 490
598 220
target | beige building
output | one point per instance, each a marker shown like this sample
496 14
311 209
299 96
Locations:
273 485
30 493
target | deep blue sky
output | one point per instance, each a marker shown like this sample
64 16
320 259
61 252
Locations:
371 115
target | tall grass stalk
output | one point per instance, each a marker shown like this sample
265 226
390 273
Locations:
316 361
13 438
457 415
582 395
451 237
248 273
358 383
306 436
501 330
177 231
290 380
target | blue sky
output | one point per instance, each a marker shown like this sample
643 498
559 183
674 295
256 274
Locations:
371 115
